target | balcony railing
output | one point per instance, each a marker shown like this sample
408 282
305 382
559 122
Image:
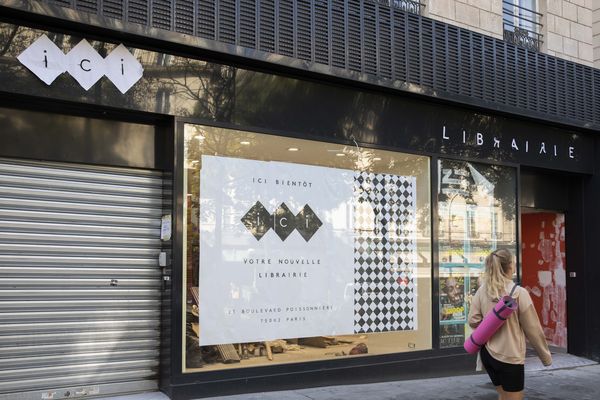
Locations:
521 25
411 6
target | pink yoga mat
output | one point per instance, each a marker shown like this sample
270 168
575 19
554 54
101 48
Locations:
491 323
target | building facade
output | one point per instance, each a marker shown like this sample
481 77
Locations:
230 196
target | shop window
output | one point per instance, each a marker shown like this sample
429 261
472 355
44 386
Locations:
299 250
477 214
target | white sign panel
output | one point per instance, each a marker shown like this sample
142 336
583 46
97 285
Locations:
44 59
290 250
122 68
85 65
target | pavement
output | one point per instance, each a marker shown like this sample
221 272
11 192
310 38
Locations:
569 378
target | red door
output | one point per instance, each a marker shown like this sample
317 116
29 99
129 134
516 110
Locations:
544 271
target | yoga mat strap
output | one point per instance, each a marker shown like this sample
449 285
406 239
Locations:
491 322
497 313
474 342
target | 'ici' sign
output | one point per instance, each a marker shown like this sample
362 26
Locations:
283 221
83 63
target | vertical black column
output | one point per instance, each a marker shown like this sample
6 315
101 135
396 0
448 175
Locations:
166 153
435 251
173 333
590 279
575 245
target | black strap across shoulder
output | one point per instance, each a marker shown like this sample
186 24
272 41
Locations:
513 290
497 313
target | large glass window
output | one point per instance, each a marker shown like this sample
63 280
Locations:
476 214
299 250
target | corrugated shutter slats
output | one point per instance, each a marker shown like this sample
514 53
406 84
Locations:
80 285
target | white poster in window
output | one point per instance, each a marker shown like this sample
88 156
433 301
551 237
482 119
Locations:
291 250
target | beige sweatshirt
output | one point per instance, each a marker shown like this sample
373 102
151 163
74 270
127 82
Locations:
508 343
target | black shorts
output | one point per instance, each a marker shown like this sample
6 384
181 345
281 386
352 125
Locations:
510 376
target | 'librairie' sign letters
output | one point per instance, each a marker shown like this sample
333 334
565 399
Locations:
83 63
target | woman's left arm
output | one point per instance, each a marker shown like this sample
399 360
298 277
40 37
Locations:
530 323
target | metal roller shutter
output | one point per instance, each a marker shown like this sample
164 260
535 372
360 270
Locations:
80 284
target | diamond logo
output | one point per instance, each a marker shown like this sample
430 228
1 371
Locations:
123 69
257 220
283 221
307 223
85 64
44 59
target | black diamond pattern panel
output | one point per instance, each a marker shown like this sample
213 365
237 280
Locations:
384 253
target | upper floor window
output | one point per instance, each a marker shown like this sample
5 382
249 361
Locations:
411 6
522 24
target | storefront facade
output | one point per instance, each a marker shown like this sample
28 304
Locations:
213 226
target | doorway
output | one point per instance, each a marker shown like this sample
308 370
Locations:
543 271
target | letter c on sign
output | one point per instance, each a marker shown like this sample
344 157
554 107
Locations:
281 222
81 65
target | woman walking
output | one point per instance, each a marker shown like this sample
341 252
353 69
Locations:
503 356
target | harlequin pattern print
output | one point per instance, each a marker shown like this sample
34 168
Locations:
384 253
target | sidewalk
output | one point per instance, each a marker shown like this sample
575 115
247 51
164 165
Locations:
570 378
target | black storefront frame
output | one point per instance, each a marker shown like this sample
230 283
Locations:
187 385
184 384
177 382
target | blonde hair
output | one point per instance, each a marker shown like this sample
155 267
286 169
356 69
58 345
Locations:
497 269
